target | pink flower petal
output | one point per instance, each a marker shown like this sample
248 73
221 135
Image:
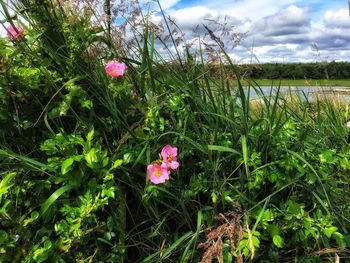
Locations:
115 69
168 150
14 32
174 165
169 154
158 173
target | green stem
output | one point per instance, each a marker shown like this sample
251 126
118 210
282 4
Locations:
122 218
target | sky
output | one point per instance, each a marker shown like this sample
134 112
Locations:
274 30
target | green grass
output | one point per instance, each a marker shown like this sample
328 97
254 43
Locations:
303 82
257 179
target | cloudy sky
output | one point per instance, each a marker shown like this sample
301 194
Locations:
276 30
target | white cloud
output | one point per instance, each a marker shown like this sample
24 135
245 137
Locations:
251 9
339 18
165 4
192 16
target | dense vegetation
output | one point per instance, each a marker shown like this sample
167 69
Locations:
262 182
324 70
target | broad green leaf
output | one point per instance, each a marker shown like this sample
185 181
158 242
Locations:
256 241
105 161
330 230
278 241
273 230
66 165
47 244
91 157
117 164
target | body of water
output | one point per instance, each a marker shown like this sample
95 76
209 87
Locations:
309 93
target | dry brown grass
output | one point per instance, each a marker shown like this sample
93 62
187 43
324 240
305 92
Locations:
230 229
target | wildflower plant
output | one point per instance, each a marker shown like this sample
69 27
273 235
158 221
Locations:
159 170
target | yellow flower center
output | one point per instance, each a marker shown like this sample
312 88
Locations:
157 173
169 158
115 70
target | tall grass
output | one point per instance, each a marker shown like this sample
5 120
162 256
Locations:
268 181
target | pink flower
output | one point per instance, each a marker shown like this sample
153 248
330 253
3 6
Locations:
158 174
348 124
169 157
14 32
115 69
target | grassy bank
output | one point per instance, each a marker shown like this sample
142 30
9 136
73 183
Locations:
302 82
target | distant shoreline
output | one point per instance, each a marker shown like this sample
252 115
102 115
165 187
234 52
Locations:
300 82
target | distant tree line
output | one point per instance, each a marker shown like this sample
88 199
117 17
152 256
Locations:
323 70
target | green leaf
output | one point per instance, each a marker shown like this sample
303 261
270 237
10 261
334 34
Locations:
267 215
3 190
109 192
4 184
108 176
329 231
328 156
3 237
311 178
222 149
91 157
34 215
105 162
117 164
86 104
90 135
127 158
256 241
26 160
278 241
53 198
47 244
245 154
214 197
273 230
66 165
228 198
176 244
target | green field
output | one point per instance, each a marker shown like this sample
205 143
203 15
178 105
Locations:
303 82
